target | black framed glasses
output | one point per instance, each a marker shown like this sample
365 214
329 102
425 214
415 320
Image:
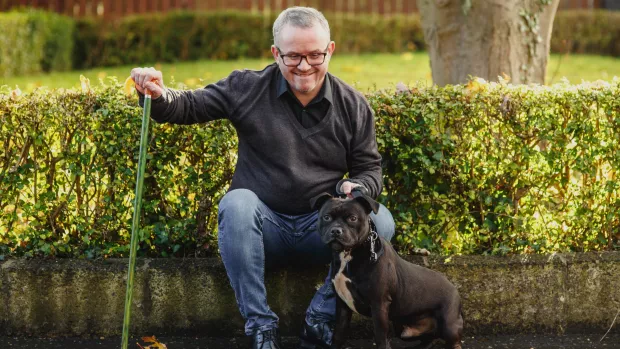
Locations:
313 59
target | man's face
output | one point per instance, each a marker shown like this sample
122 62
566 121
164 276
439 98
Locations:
304 79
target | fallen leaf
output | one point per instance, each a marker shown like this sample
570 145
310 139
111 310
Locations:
129 86
156 344
150 339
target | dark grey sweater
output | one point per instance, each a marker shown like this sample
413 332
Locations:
282 162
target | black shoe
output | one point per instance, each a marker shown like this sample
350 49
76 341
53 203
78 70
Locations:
316 336
269 339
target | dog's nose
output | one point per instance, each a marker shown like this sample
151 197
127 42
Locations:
336 232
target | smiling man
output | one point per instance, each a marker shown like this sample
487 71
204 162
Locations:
301 131
305 74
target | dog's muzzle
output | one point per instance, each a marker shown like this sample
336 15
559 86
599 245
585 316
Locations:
336 233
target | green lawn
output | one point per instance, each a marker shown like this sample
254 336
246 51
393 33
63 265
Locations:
365 72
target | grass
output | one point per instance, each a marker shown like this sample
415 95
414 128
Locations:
365 72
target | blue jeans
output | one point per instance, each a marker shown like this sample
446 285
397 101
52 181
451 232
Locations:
253 237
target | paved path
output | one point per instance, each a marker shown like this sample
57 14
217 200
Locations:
612 341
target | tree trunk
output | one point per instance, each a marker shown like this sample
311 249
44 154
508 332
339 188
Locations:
488 38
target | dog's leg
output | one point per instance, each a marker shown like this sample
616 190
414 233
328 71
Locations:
453 333
343 319
453 339
381 321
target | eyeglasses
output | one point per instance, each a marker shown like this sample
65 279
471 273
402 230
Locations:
294 60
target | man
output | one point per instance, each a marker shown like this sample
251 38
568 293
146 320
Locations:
300 130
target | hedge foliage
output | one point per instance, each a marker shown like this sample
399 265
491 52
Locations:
67 177
475 169
594 32
35 41
496 168
224 35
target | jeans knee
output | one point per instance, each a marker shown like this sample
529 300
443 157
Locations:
238 204
238 219
238 214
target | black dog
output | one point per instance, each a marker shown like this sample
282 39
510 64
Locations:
372 280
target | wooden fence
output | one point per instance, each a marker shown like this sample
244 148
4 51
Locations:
110 9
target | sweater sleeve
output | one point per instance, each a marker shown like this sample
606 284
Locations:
365 160
186 107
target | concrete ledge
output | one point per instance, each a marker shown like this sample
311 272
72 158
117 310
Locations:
560 293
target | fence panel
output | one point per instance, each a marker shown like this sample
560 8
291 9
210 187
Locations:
110 9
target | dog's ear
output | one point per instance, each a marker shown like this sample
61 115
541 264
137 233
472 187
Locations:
317 202
366 201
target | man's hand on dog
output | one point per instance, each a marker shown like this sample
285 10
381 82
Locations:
346 188
148 78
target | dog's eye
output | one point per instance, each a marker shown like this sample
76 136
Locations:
327 218
352 218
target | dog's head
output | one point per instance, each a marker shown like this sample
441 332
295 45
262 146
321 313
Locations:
343 223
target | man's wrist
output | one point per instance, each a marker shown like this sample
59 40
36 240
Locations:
157 100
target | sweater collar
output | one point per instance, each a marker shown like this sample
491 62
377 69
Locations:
283 87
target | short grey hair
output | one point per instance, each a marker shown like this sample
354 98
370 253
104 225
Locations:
300 17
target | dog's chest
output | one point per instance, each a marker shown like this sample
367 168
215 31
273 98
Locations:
340 282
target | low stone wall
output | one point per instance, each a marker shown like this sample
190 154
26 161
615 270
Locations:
536 293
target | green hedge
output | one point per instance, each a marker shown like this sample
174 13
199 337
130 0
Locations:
488 168
184 36
475 169
35 41
223 35
67 177
594 32
171 37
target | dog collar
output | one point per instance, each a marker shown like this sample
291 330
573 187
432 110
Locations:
372 238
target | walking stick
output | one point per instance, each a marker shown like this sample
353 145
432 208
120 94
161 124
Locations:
136 216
